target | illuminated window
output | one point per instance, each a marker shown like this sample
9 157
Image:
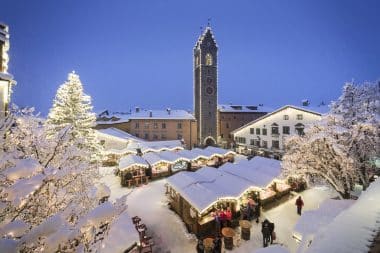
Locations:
208 59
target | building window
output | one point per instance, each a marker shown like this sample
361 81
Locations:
257 143
286 117
102 142
163 137
179 137
146 136
265 144
252 142
146 125
252 131
179 126
163 125
300 129
221 136
208 59
258 131
227 125
155 125
137 135
276 144
155 136
240 140
264 131
137 125
286 130
299 117
274 128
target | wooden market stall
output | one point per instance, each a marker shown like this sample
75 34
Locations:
133 170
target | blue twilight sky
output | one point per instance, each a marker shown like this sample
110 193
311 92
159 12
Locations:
132 53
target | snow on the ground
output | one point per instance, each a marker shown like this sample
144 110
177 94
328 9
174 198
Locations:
170 235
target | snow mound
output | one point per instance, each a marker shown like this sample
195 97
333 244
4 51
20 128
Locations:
23 188
102 213
14 229
8 245
122 230
353 229
272 249
23 169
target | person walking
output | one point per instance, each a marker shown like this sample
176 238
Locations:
271 232
299 204
265 230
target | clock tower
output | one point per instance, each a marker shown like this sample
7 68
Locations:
206 88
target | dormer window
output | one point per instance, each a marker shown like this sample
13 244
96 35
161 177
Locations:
208 59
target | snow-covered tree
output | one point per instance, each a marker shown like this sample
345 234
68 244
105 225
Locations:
341 147
72 107
49 196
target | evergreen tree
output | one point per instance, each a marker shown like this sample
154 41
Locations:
72 108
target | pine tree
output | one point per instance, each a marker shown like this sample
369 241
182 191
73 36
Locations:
72 108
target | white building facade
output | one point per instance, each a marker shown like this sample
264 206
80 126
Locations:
265 135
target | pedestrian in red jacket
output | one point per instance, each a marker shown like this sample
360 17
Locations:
299 204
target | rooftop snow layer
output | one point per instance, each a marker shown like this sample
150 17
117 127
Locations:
117 133
131 160
243 108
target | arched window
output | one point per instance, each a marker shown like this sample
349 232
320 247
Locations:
208 59
299 128
274 128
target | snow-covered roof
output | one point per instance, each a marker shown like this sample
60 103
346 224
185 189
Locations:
260 171
243 108
353 229
304 109
312 220
153 158
208 185
121 235
219 151
132 160
146 114
117 133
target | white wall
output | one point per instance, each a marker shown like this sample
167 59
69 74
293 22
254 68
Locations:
277 118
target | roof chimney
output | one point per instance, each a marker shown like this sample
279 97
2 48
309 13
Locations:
168 110
137 109
150 114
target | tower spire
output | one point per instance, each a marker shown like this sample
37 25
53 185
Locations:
209 22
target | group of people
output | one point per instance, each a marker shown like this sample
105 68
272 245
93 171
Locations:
252 210
267 229
217 245
222 218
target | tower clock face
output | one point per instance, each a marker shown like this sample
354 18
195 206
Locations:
209 90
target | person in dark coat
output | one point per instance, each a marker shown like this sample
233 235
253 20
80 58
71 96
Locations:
271 230
200 246
217 245
299 204
265 230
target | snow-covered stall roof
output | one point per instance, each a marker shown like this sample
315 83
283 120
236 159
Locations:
189 154
260 171
153 158
219 151
122 235
132 160
353 229
155 146
117 133
208 185
172 156
312 220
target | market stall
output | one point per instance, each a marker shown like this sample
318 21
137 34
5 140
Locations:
133 170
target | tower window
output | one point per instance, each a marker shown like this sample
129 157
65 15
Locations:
208 59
